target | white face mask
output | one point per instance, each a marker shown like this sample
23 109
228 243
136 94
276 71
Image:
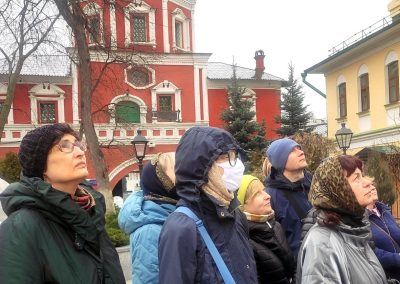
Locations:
232 175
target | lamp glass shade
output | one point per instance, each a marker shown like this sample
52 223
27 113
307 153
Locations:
343 137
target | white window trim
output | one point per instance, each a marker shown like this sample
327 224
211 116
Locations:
361 71
3 96
130 98
54 93
143 9
392 56
92 9
166 88
249 94
341 79
178 15
153 77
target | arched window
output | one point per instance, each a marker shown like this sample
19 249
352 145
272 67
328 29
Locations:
127 112
180 30
94 27
392 78
342 100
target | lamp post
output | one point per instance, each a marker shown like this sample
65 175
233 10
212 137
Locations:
140 146
343 138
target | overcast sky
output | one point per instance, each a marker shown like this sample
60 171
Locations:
287 30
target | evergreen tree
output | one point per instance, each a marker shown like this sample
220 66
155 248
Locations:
10 168
378 168
239 118
294 115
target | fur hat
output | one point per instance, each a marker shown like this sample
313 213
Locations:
330 189
35 147
278 152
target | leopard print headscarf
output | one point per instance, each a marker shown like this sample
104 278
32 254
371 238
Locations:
330 189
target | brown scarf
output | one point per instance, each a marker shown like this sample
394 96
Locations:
215 187
330 189
83 198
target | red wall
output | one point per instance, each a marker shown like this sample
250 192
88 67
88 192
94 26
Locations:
267 107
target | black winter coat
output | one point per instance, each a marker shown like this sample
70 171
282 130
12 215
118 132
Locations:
183 255
274 259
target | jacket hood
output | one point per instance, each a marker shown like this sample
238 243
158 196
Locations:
36 194
197 150
138 212
277 180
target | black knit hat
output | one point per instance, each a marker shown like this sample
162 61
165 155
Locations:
35 147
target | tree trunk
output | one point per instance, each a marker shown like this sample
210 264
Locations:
74 16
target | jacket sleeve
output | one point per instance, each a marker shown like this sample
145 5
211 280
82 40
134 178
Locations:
387 259
320 263
144 249
177 250
20 257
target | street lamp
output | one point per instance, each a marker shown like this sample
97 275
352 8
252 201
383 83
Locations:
140 146
343 138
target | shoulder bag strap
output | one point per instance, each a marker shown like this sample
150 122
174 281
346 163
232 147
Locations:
226 275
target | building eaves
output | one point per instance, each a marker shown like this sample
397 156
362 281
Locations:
224 71
358 48
43 65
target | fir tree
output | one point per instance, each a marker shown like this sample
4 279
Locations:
239 118
294 115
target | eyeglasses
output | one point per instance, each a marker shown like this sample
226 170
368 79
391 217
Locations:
68 146
232 156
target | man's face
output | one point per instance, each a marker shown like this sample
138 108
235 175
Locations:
296 160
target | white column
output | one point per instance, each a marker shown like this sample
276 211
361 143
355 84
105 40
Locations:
34 119
193 37
113 27
61 111
205 95
75 104
165 26
153 100
197 93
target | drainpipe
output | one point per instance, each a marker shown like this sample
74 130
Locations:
304 75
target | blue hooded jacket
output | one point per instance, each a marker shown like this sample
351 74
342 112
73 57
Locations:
183 255
289 214
142 220
386 236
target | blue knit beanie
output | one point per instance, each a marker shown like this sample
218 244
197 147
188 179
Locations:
278 152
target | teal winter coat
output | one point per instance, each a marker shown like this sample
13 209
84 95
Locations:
143 220
48 238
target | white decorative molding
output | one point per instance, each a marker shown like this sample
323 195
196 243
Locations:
92 9
391 57
205 95
200 59
167 47
249 94
361 71
151 29
188 4
128 97
197 93
151 83
47 92
124 165
75 100
3 96
178 15
113 26
340 80
166 88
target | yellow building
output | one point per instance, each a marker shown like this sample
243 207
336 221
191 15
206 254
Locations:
362 83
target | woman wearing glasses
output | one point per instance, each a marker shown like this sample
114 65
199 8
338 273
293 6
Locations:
208 173
55 227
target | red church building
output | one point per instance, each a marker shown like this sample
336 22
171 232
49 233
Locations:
151 79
